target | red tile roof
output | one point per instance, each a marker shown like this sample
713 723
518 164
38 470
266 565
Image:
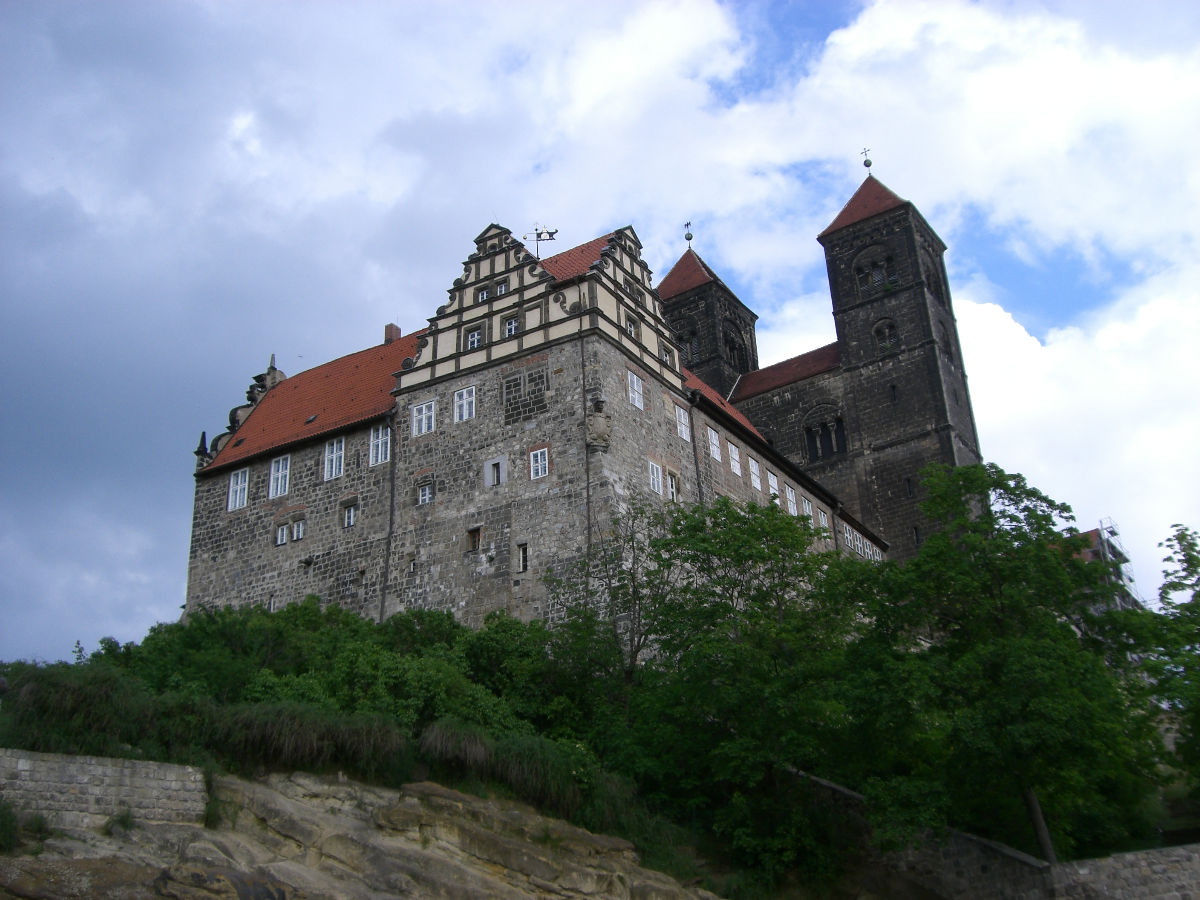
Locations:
691 382
814 362
690 271
576 261
871 199
324 399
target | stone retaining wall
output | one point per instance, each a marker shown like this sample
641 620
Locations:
84 791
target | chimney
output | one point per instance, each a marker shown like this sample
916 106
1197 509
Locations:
391 333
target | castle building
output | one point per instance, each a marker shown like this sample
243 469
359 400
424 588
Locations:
456 466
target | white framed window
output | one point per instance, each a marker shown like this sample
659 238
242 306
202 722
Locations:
335 454
482 294
238 482
349 515
501 287
858 543
423 417
735 459
631 325
656 479
714 443
381 444
683 424
539 463
279 476
667 355
464 404
281 535
808 508
512 326
848 533
824 517
522 557
474 339
672 487
298 530
755 474
790 493
636 390
773 486
424 494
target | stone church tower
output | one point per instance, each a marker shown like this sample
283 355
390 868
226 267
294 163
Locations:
864 415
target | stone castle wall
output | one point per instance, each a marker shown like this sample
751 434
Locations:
85 791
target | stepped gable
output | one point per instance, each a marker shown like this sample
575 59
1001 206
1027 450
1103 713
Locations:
576 261
323 399
798 368
689 271
871 199
693 383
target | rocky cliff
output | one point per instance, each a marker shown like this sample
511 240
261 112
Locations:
297 837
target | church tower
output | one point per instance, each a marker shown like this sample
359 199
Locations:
900 360
714 329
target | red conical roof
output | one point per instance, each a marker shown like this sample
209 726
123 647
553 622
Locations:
871 199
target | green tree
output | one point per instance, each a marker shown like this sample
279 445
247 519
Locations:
1037 742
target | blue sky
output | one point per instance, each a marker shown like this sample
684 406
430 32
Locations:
187 188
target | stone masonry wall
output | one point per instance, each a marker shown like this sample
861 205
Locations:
84 791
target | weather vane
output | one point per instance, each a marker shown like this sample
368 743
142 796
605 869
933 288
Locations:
540 234
687 233
866 159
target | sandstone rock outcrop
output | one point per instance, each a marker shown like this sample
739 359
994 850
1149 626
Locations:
301 837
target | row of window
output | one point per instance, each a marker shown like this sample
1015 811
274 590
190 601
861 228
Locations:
424 415
290 533
495 472
335 457
475 335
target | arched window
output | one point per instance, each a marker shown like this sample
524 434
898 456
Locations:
824 435
887 339
735 348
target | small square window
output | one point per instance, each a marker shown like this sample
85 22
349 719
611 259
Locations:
636 390
350 515
501 287
381 444
481 295
667 355
494 473
298 530
281 535
512 326
632 328
424 494
539 463
474 338
464 404
238 482
423 418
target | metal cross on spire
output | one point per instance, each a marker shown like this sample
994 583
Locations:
866 159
